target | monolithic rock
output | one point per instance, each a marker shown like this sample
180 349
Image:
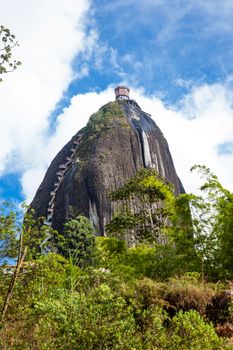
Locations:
118 140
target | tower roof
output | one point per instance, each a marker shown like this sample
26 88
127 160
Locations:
122 92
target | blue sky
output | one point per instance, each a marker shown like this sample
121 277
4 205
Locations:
171 39
176 56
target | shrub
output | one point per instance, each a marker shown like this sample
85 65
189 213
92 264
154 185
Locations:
188 330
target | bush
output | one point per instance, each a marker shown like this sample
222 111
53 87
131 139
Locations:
188 330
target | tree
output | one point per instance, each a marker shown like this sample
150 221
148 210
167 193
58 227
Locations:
8 232
20 237
145 203
79 241
213 225
7 43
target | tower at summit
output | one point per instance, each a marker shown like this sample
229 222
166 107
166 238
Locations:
122 93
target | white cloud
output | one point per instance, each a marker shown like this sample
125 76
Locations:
191 140
50 34
203 120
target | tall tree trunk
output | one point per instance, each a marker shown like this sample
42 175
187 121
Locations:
21 256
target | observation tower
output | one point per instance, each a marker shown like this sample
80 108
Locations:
122 93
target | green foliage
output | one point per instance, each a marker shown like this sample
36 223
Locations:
102 119
99 320
145 205
57 303
213 226
129 263
181 229
37 237
104 294
15 222
195 231
8 232
160 261
168 261
188 330
7 63
111 249
79 241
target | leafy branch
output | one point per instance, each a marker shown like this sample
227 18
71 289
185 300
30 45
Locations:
7 43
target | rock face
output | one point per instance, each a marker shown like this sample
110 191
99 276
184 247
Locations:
118 140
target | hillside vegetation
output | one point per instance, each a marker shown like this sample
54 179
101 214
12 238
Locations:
160 280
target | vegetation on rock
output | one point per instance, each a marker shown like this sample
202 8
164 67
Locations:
100 120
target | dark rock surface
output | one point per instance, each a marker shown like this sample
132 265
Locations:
118 140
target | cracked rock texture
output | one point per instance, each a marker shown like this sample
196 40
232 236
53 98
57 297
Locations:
118 140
